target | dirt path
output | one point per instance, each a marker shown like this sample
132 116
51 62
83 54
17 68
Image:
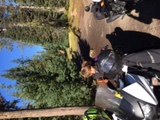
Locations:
127 35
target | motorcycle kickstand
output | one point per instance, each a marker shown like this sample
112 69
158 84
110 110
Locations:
123 16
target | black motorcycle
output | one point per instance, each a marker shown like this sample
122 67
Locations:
135 101
110 9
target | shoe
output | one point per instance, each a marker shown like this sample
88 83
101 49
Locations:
106 47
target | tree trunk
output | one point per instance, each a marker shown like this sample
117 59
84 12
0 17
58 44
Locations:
62 111
56 9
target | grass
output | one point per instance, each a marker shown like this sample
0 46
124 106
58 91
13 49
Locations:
74 20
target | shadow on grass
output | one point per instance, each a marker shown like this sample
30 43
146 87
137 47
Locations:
84 47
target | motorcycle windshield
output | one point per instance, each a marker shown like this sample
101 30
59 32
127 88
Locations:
105 99
108 62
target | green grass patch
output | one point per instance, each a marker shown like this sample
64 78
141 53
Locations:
75 8
73 41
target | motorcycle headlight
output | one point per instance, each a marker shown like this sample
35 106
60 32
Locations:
102 4
149 111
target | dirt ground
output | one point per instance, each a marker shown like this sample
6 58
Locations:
141 31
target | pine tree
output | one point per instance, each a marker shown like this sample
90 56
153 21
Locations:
32 25
51 80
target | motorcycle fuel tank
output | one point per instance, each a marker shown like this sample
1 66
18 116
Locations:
139 101
140 89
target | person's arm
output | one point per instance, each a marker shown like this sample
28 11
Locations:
105 81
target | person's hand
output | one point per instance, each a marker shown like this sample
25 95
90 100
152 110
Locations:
105 81
155 82
85 63
92 53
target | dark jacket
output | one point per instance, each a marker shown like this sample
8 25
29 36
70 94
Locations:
109 64
145 59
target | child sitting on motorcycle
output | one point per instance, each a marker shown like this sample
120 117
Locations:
112 70
95 70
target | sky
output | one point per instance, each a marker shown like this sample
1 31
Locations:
7 56
5 64
8 3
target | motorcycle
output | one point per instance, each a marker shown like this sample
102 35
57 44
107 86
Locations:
110 9
135 100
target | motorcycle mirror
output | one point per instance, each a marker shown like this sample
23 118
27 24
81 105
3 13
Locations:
87 8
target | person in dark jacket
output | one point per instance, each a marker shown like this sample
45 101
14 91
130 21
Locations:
148 59
108 74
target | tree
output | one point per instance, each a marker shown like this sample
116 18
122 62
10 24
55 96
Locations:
34 34
6 43
51 80
45 3
8 105
33 24
62 111
2 103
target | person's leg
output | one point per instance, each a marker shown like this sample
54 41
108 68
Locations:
147 58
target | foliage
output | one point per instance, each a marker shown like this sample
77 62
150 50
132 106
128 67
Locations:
6 105
51 80
5 43
35 35
46 3
34 25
